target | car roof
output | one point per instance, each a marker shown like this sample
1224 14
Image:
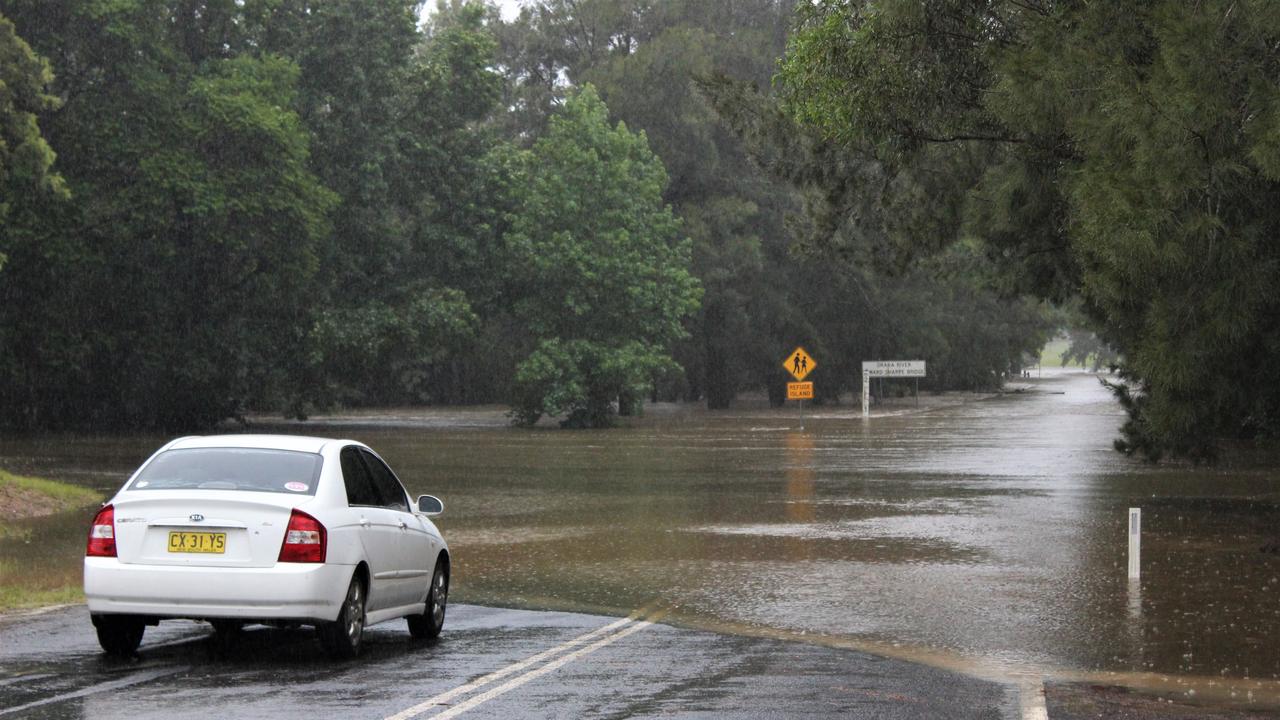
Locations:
297 443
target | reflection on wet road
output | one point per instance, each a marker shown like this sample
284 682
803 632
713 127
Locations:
987 536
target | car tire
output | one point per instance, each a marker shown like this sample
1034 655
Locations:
119 634
429 624
341 638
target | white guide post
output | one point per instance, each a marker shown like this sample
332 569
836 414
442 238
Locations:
1135 541
866 393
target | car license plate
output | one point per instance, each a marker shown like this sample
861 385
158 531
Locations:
197 542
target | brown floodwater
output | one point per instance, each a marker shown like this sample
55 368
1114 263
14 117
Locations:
988 534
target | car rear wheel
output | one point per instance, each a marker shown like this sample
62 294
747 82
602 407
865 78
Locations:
429 624
119 634
341 638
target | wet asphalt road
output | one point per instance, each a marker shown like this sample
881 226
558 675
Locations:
51 667
510 664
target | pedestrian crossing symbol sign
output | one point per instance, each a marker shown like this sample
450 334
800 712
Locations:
799 363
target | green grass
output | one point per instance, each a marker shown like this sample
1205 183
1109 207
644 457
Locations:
64 494
1051 354
31 574
17 597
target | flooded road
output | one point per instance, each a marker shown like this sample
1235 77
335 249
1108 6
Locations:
988 535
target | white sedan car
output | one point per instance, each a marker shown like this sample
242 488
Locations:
274 529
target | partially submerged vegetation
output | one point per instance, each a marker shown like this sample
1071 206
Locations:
1124 153
23 499
27 497
296 204
328 203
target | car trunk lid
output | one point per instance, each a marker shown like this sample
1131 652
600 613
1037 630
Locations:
202 528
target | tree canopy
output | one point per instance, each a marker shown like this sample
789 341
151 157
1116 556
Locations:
283 205
173 282
26 160
1122 151
599 265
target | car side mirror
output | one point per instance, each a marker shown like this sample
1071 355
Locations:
430 505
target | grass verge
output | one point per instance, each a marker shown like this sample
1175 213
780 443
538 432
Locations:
42 525
16 597
40 496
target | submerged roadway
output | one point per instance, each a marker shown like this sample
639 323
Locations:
503 663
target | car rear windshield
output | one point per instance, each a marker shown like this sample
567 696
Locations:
253 469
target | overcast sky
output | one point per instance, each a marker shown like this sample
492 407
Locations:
510 8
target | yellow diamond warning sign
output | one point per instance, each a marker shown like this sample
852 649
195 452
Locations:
799 363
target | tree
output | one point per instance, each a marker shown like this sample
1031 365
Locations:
172 289
354 61
643 57
600 268
1127 153
400 121
26 160
454 169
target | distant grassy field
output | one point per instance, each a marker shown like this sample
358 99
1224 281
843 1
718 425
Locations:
1051 355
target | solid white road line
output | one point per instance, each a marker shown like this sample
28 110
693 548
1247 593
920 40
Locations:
1031 691
534 674
479 682
133 679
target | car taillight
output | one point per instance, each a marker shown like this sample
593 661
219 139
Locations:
102 535
304 539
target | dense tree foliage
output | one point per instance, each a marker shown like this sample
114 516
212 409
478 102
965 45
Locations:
1127 151
26 160
175 280
764 292
286 204
643 57
599 267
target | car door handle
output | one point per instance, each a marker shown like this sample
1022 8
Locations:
364 521
403 526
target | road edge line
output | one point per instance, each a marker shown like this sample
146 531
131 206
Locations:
1031 699
539 672
135 679
483 680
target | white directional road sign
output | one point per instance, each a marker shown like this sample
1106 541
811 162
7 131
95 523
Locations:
887 368
894 368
